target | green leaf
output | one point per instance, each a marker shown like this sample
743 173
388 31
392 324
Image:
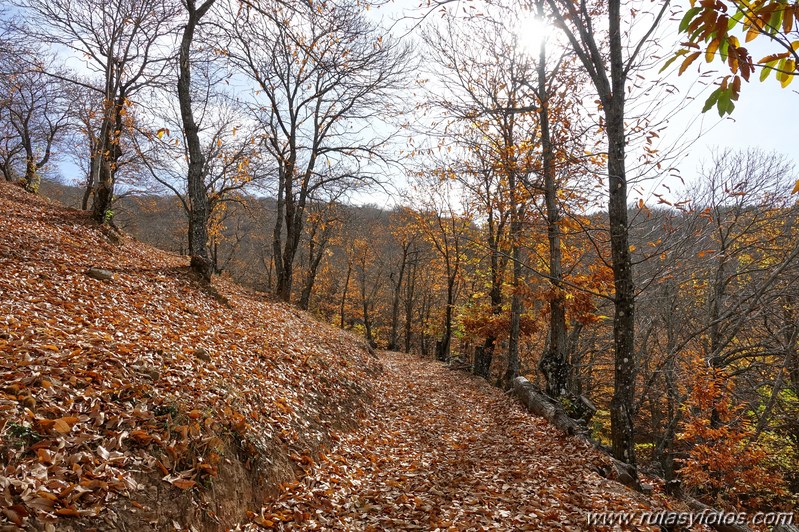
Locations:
688 17
711 100
724 48
775 23
735 19
671 60
766 70
724 102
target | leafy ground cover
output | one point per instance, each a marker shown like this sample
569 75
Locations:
152 401
441 450
151 398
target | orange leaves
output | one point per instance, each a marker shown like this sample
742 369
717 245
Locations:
184 484
64 425
141 437
710 23
690 58
722 459
100 387
415 463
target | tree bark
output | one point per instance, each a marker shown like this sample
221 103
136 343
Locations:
393 341
109 154
199 206
484 355
554 363
610 86
410 289
622 428
512 369
316 251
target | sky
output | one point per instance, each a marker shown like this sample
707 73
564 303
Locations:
765 117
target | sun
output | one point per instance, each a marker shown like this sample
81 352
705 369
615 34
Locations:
531 32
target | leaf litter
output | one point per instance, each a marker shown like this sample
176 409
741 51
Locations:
104 385
109 386
442 450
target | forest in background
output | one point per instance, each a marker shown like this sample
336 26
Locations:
668 327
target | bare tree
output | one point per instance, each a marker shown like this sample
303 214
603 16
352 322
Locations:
199 209
229 162
37 110
121 42
322 222
323 77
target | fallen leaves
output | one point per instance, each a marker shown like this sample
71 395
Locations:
109 385
440 450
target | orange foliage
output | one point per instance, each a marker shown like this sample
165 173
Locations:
723 461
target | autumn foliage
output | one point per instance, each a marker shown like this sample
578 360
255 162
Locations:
724 460
113 390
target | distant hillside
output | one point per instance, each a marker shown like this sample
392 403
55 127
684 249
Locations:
150 401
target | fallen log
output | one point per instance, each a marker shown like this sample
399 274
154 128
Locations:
542 405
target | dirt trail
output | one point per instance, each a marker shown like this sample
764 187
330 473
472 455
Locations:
440 449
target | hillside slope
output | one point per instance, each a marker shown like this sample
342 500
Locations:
151 401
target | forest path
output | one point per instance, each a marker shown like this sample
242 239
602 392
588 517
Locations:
440 449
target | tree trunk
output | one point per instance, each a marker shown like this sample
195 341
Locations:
315 254
103 193
277 232
344 294
484 355
555 360
108 158
367 323
87 191
293 219
443 346
32 179
622 428
199 207
544 406
512 369
410 290
393 340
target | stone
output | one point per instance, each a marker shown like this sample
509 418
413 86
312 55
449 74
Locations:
202 354
100 274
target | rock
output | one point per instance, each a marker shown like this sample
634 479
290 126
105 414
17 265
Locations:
625 474
149 372
100 274
202 354
647 489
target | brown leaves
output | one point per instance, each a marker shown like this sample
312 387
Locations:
100 380
182 483
64 425
440 451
